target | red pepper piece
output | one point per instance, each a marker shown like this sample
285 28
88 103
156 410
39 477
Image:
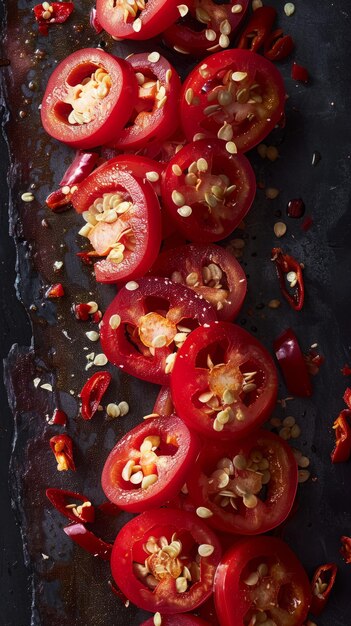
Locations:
257 29
59 418
278 46
94 22
293 364
89 541
346 370
92 393
342 427
346 548
85 257
347 397
314 361
62 448
58 201
295 208
82 311
62 501
96 317
81 166
56 13
307 223
300 73
285 264
108 508
324 575
55 291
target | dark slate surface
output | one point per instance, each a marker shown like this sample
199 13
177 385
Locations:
317 119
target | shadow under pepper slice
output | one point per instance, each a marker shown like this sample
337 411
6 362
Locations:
258 28
289 271
322 584
62 448
73 505
342 427
92 393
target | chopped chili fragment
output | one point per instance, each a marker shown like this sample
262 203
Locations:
82 311
278 46
322 584
89 541
92 393
295 208
55 291
289 271
62 448
58 201
59 418
299 73
347 397
346 370
342 427
346 548
257 29
49 13
74 506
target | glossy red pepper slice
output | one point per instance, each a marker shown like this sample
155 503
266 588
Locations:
82 311
288 267
89 541
55 291
322 584
92 392
62 501
342 428
347 397
59 418
346 549
62 448
58 201
278 46
53 13
82 164
257 29
292 364
299 73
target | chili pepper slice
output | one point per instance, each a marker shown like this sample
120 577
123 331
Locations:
300 73
82 311
342 427
62 447
58 201
92 393
89 541
59 418
48 13
347 397
62 501
322 584
257 29
292 363
278 46
55 291
82 164
346 549
94 22
289 270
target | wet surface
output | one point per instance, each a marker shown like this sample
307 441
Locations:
67 584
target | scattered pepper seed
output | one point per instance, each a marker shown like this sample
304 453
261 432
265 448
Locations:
303 475
185 211
36 382
262 150
272 153
203 512
154 57
113 410
157 616
289 9
123 408
274 304
93 307
256 4
205 549
132 285
114 321
27 196
183 9
46 386
279 229
100 360
271 193
92 335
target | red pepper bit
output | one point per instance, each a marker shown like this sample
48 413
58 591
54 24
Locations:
342 428
346 370
347 397
62 448
82 311
289 270
49 13
96 317
58 201
278 46
59 418
346 548
55 291
307 223
258 28
322 584
295 208
92 393
299 73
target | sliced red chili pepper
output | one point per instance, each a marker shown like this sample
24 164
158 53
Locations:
322 584
92 393
164 403
278 46
257 29
89 541
94 22
58 201
300 73
55 291
53 13
82 311
346 370
289 270
346 549
62 448
82 164
347 397
342 427
66 503
59 418
293 364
